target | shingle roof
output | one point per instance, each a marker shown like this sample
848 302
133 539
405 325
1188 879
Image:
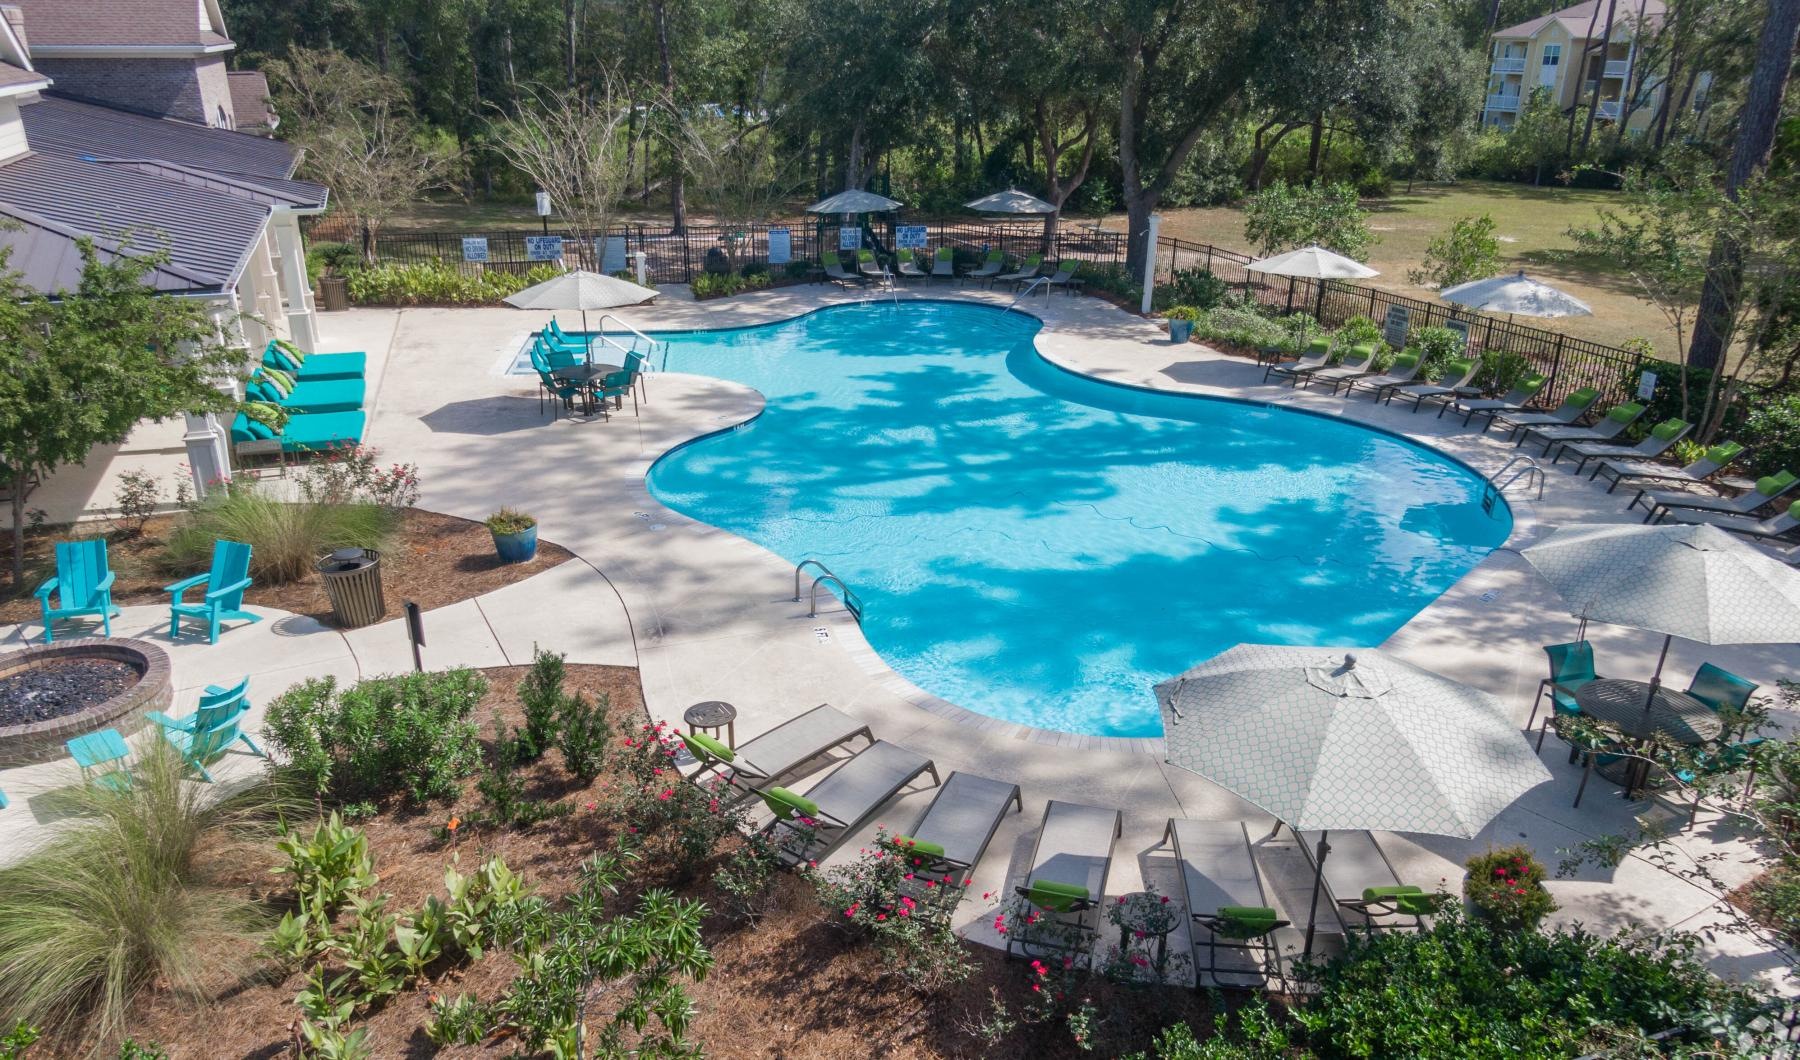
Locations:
123 23
1575 19
66 126
250 99
12 76
207 233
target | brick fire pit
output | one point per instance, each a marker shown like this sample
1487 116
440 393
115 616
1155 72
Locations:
42 741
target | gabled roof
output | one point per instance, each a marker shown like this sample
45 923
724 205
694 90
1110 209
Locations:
1575 19
14 80
66 126
207 233
72 27
250 99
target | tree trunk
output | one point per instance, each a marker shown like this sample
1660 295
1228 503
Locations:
569 40
1569 139
853 161
1668 100
677 162
1313 149
1587 132
959 158
1757 123
20 480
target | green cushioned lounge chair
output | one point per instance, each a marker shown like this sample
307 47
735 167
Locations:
1403 371
989 269
766 758
1315 357
310 367
807 828
83 586
950 837
1711 462
1066 880
1764 490
1226 901
1455 380
1617 421
1024 273
835 271
943 264
869 265
222 598
1360 881
1572 408
1515 400
1357 363
1660 440
907 265
1781 524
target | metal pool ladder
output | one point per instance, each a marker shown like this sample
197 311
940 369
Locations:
1522 467
852 602
1026 293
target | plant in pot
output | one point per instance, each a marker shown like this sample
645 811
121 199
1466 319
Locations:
1181 322
1506 888
515 535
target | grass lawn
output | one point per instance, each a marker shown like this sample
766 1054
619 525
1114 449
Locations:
1533 225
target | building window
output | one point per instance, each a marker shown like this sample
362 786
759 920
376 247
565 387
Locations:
1548 65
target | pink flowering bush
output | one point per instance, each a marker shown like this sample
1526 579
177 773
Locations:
687 821
891 897
1506 887
1141 923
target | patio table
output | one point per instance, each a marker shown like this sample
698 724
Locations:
585 376
1673 713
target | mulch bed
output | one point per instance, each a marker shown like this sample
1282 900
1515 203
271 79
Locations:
435 560
791 986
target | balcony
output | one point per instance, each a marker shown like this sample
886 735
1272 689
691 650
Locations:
1509 66
1616 68
1503 104
1608 110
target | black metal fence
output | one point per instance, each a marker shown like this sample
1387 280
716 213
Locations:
1570 363
677 258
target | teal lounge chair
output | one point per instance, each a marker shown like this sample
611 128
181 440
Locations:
224 597
327 395
211 731
217 707
312 433
83 586
312 367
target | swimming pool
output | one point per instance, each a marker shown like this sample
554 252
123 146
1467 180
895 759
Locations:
1037 546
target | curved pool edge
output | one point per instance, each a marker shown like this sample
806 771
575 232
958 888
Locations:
870 662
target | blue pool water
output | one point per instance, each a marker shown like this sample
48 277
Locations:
1040 547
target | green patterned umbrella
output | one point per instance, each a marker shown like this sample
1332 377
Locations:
1334 738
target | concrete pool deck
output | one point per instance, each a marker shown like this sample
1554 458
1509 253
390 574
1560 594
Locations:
707 615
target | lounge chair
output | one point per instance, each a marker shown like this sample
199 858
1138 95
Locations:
1067 878
1359 879
1403 371
1572 408
989 268
1660 440
807 827
835 271
218 705
82 584
1024 273
954 831
1225 898
1710 463
310 433
1316 356
1778 525
309 367
1616 421
1356 364
870 266
1065 277
907 267
223 600
1763 491
1571 667
1449 386
326 395
774 754
1515 399
943 265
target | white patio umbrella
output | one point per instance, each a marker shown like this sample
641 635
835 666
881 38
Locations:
1313 262
1516 294
1011 201
1694 582
1333 738
581 290
854 201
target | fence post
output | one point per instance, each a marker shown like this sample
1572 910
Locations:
1371 303
1556 360
1150 249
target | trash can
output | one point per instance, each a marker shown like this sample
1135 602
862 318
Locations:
352 579
334 292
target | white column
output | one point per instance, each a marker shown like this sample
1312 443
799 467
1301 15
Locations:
291 264
208 452
268 285
1150 260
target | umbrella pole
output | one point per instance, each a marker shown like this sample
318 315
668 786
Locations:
1312 914
1656 678
587 338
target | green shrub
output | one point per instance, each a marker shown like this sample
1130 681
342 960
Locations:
1242 327
1181 312
1772 433
582 734
337 257
1436 347
508 521
719 285
329 867
118 897
1463 988
797 270
540 694
882 897
684 820
285 538
505 801
439 283
1199 288
462 1020
410 734
1253 1032
1506 887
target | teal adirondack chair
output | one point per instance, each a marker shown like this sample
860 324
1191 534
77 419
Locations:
225 585
218 706
213 729
83 586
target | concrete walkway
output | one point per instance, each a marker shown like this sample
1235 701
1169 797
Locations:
708 615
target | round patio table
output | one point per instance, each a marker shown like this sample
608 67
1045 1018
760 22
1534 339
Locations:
585 376
1673 713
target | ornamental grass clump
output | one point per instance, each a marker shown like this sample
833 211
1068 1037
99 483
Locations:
127 896
1506 888
285 538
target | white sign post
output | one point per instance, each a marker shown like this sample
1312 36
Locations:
781 246
1150 261
849 238
475 248
910 237
1646 386
543 248
612 255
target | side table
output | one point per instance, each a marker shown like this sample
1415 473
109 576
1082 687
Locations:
713 715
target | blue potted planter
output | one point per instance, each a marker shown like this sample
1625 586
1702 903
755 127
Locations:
1180 330
515 535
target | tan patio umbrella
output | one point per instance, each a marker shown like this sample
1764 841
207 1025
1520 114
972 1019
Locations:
581 290
1314 263
1331 739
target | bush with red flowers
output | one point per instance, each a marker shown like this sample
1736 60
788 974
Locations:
902 902
1506 888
